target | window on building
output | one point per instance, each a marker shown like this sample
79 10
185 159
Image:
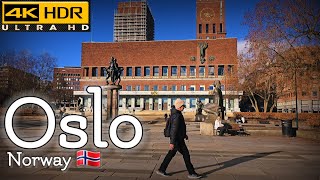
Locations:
146 87
211 70
230 69
136 102
174 71
221 30
193 102
202 88
94 72
164 88
207 37
214 28
211 88
201 71
165 71
147 71
192 71
183 88
156 71
314 93
129 71
103 72
137 88
183 71
220 70
137 71
192 88
222 87
207 28
304 93
128 88
200 28
173 88
155 87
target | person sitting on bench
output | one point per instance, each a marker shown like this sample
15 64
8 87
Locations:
218 126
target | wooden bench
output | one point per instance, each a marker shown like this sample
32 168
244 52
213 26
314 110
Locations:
237 129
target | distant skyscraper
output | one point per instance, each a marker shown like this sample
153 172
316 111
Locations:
133 21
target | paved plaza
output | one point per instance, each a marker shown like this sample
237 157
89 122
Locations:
222 158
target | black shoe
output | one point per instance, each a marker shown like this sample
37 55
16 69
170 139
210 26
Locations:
194 176
162 173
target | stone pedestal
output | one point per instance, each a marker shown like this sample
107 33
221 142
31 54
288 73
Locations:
207 128
112 100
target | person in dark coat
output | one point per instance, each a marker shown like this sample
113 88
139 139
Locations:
177 135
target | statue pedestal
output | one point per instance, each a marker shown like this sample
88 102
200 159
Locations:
207 128
112 101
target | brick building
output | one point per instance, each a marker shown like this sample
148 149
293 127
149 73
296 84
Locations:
65 81
14 81
157 72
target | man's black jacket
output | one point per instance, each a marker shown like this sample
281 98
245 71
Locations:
178 127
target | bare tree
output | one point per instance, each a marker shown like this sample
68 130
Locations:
283 41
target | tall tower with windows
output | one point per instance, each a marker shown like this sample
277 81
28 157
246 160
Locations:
211 19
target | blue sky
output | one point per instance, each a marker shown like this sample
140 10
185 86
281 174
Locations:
174 20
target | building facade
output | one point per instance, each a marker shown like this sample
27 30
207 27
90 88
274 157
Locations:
65 81
158 72
211 19
133 21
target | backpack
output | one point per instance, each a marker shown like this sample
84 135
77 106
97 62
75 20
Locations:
167 129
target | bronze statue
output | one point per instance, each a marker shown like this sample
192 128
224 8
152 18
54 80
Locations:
113 72
217 106
199 107
203 47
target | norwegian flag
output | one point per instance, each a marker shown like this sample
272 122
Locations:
88 158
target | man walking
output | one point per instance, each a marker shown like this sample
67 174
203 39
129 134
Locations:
177 136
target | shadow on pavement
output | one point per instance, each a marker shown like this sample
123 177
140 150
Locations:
231 162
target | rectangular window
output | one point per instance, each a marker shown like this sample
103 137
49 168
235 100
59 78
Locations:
201 71
137 88
174 71
221 27
230 69
183 71
165 71
137 102
103 72
94 72
200 28
207 28
192 71
156 71
193 102
214 28
164 88
192 88
183 88
211 88
86 72
211 70
202 88
128 88
314 93
155 87
129 71
147 71
220 70
137 71
146 87
173 88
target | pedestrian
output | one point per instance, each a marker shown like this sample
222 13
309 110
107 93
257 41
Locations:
218 126
177 143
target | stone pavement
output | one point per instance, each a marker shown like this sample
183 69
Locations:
223 158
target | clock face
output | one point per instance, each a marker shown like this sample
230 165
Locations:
207 14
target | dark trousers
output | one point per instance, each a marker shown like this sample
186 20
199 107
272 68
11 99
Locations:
182 148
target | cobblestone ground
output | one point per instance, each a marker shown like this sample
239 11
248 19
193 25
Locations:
223 158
